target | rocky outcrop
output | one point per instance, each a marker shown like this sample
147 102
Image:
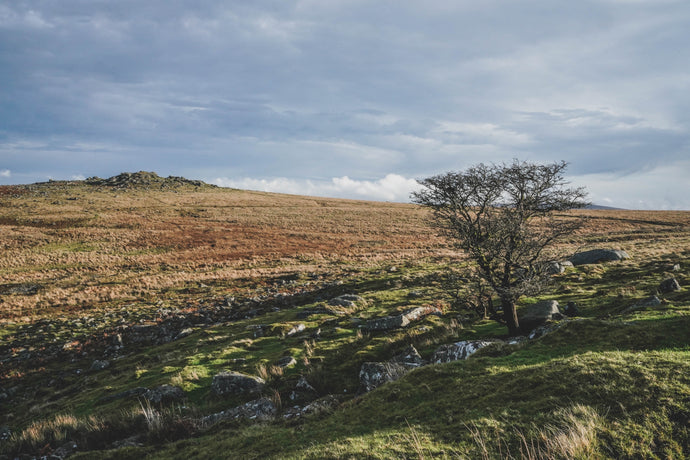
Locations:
261 409
234 383
598 255
458 350
375 374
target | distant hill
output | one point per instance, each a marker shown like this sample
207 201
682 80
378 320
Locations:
607 208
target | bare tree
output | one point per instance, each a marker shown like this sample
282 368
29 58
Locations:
504 217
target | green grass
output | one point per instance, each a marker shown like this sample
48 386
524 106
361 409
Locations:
612 384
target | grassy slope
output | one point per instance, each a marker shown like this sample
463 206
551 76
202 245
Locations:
612 385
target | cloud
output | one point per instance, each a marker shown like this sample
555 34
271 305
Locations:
5 173
312 89
392 187
662 187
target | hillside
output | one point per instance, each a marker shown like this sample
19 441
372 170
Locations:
126 302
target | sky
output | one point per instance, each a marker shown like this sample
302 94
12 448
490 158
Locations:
349 98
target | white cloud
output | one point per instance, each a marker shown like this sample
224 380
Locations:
392 187
5 173
663 187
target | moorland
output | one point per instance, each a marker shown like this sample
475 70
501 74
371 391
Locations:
127 305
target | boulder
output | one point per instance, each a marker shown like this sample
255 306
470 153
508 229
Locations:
234 383
345 300
409 358
321 405
165 394
598 255
669 285
537 314
393 322
458 350
555 268
649 302
261 409
373 375
571 309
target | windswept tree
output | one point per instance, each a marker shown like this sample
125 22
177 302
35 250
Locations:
506 218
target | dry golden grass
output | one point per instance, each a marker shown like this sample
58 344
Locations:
87 245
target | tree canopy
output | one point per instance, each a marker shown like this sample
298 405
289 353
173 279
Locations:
505 219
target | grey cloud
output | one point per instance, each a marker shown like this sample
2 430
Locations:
312 89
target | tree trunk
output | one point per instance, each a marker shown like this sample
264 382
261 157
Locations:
510 316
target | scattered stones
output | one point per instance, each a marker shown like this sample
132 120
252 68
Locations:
234 383
669 285
165 394
393 322
537 314
458 350
598 255
261 409
99 365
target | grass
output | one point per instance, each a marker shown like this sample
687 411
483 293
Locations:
612 384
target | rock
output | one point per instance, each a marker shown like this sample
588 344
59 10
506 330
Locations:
64 450
234 383
598 255
346 301
669 285
393 322
303 385
676 268
5 433
260 410
410 358
165 394
537 314
296 329
321 405
458 350
25 289
545 329
373 375
571 309
649 302
287 361
184 333
99 365
554 268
